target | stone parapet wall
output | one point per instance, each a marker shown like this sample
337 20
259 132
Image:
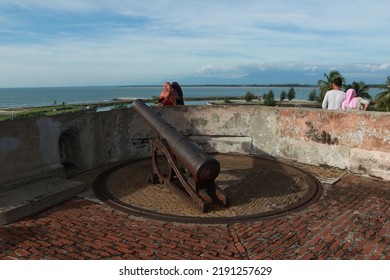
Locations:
75 142
357 141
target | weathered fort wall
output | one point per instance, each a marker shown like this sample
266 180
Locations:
72 143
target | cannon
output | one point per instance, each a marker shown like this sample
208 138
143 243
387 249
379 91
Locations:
181 164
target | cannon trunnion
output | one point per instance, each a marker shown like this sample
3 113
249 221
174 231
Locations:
181 164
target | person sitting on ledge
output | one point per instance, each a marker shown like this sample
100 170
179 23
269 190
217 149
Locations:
167 96
352 102
334 97
179 92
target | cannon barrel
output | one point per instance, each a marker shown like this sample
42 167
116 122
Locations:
203 167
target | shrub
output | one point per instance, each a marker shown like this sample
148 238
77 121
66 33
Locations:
283 95
269 99
120 106
313 95
291 94
249 97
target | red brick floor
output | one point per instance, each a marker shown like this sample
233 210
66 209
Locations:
350 221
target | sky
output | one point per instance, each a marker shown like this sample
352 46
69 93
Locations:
127 42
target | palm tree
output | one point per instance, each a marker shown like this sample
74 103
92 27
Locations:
325 85
383 97
361 89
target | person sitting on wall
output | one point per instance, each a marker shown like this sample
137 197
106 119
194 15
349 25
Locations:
168 96
334 97
179 92
352 102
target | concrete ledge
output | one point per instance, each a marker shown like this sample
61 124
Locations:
35 197
22 179
372 163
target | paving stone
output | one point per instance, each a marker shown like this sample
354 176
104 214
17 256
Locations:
334 227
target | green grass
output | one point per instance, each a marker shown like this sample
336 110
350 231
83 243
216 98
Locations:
34 112
52 110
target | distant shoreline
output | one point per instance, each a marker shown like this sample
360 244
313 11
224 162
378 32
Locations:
115 101
122 100
247 85
228 85
190 85
103 96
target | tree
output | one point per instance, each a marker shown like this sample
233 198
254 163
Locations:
227 100
269 99
249 96
361 89
325 85
291 94
383 98
313 95
283 95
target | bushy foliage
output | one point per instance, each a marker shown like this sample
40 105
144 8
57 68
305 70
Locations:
120 106
269 99
28 115
383 98
249 96
291 94
312 95
283 95
227 100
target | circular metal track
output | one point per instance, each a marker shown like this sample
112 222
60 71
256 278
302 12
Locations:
257 187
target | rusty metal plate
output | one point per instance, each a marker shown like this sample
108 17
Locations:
257 188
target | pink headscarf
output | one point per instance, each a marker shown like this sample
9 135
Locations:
350 99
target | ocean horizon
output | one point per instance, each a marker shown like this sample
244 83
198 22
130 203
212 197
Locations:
47 96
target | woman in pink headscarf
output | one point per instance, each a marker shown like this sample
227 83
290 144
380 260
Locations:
351 102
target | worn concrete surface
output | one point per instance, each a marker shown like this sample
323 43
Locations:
33 197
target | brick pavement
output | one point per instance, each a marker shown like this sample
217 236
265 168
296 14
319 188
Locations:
350 221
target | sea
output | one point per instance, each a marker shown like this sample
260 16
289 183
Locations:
47 96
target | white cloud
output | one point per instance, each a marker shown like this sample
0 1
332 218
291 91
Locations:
381 67
149 40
